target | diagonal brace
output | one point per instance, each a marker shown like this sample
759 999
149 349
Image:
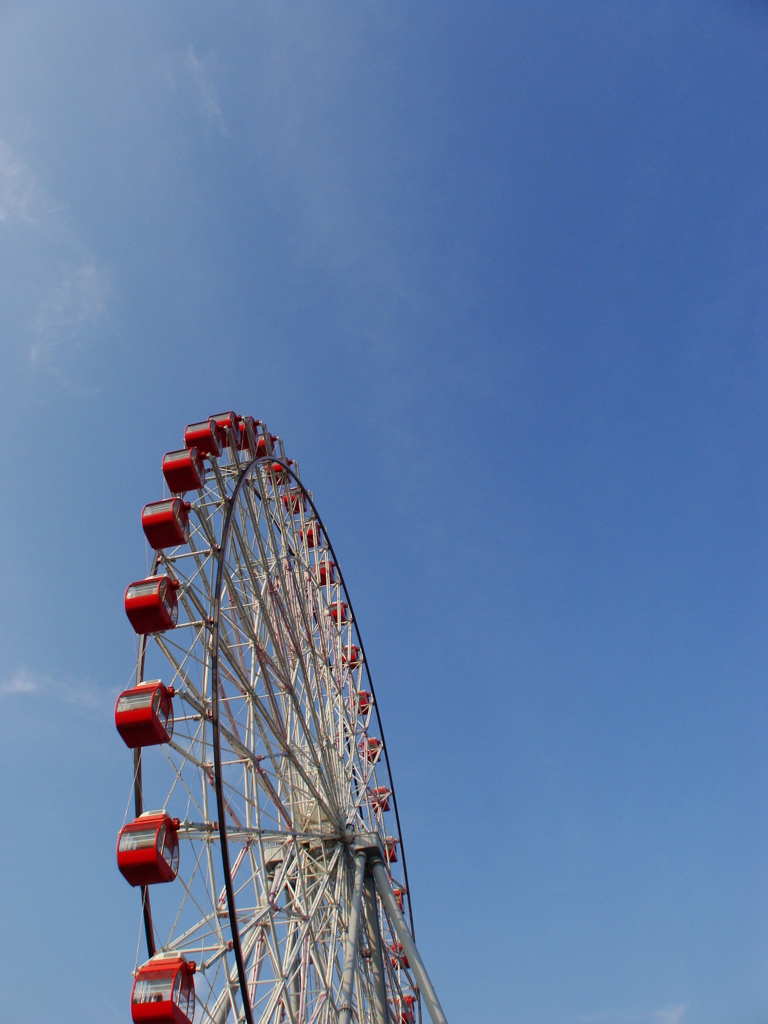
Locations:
379 872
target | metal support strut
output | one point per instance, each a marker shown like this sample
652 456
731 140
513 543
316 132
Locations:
409 946
374 944
353 933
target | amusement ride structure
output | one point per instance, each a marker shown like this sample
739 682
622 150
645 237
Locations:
262 832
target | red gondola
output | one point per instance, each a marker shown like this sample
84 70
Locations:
351 656
144 714
243 423
326 570
407 1015
390 850
164 991
380 798
264 445
279 472
399 957
166 523
311 535
399 893
184 470
370 749
295 501
205 436
226 422
364 702
148 849
339 611
151 604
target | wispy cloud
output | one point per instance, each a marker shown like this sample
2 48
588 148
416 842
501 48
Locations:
205 88
26 685
672 1013
192 79
19 683
66 290
21 198
70 315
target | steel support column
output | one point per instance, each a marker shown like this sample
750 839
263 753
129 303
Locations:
409 946
374 944
353 937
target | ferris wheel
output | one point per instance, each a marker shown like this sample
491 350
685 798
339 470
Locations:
262 831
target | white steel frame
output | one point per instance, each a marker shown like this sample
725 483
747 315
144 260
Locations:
269 769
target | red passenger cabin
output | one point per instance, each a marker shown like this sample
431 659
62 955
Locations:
264 445
399 957
370 749
184 470
326 571
226 422
390 850
311 535
364 702
407 1016
144 714
205 436
164 991
399 893
166 523
339 611
380 798
295 501
242 432
151 604
351 656
148 849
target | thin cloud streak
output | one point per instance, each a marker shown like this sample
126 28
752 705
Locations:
192 81
75 309
672 1013
206 90
66 308
21 198
18 684
81 695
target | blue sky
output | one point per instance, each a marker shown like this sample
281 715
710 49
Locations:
497 274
